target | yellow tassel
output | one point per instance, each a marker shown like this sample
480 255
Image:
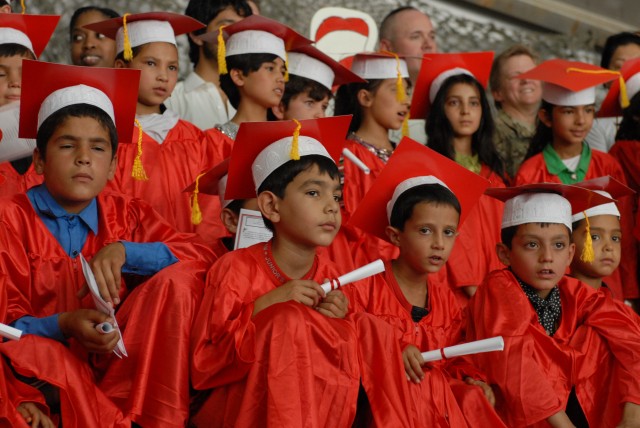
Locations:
405 126
222 53
286 67
295 151
24 8
588 255
401 94
128 52
196 214
624 98
138 172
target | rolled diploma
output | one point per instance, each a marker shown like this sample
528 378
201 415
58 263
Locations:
105 327
353 158
477 347
356 275
10 332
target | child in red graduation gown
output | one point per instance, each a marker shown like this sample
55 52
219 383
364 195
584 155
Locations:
166 154
74 115
21 36
415 210
571 354
558 153
450 96
268 341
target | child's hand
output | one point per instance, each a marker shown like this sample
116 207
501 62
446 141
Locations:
34 416
630 416
335 305
307 292
488 392
412 358
106 266
81 325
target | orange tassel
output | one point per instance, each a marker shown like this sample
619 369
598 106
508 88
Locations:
24 8
286 67
222 53
138 172
295 150
405 126
128 52
588 255
196 214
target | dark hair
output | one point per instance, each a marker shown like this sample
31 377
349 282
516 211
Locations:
385 24
347 100
630 126
49 126
105 11
614 42
14 49
543 135
300 85
427 193
497 74
246 63
279 179
206 11
236 205
440 132
508 233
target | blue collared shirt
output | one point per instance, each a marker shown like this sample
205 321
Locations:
71 231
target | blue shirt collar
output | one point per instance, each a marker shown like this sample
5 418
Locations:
45 203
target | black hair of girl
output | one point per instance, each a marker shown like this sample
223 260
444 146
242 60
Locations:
543 135
347 101
246 63
630 126
440 133
105 11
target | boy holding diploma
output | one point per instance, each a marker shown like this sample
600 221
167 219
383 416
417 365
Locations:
268 341
417 204
572 355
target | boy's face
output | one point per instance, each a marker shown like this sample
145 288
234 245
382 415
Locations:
158 62
309 213
227 16
428 236
264 86
78 162
10 78
383 106
89 48
302 107
569 125
539 255
607 245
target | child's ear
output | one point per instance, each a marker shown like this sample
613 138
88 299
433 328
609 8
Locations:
394 235
572 252
365 99
112 168
237 77
38 162
504 254
120 64
229 220
545 117
269 205
279 111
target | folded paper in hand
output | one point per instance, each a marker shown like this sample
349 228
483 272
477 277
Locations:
101 305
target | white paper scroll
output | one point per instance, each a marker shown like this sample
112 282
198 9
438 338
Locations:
353 158
356 275
103 307
477 347
10 332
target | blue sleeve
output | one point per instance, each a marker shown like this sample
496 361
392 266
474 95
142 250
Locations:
146 258
44 327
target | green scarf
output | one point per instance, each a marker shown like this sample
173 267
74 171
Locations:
471 162
557 167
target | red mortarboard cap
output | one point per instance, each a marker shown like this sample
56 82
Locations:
437 67
608 184
569 83
119 85
410 160
254 137
38 29
311 63
208 182
612 104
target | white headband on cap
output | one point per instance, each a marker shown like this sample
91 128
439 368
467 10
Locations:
633 85
438 81
604 209
305 66
146 31
379 68
11 35
79 94
277 154
559 96
410 183
222 188
536 208
255 41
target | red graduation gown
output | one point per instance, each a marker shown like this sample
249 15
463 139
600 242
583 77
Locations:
151 385
289 366
624 281
595 349
442 398
220 144
170 167
356 182
11 182
627 153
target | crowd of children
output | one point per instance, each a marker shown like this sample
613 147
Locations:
106 166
